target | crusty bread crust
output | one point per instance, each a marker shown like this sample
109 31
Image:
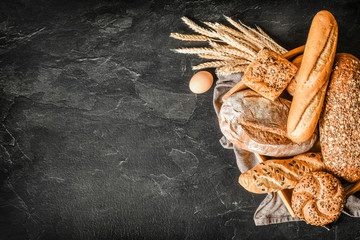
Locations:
292 85
313 77
269 74
318 198
257 124
340 120
278 174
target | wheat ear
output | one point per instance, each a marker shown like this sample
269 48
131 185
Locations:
232 41
215 57
197 28
267 43
226 70
282 50
198 51
213 64
189 37
230 51
255 40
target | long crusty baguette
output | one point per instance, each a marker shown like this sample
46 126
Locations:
313 77
275 175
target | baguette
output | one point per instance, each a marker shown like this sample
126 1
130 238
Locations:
313 77
279 174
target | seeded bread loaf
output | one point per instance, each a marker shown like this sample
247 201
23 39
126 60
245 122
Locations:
278 174
269 74
318 198
257 124
340 120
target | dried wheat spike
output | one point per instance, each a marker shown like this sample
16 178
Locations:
269 41
213 64
190 37
283 50
226 70
215 57
198 29
236 43
252 37
232 51
198 51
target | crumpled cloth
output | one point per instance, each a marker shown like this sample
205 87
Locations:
271 210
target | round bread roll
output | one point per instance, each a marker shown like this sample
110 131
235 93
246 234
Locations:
340 120
318 198
257 124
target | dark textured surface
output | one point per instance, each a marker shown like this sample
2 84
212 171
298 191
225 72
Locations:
100 136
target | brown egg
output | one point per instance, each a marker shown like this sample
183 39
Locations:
201 82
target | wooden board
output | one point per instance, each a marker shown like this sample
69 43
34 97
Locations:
353 189
285 195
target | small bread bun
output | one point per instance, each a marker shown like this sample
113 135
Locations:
318 198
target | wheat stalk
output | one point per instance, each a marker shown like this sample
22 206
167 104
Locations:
197 28
231 50
210 65
198 51
189 37
232 41
226 70
282 50
247 33
215 57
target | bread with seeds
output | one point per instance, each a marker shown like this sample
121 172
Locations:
340 120
278 174
318 198
269 74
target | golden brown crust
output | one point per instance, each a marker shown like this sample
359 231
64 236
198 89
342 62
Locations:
278 174
290 55
313 77
257 124
318 198
269 74
340 121
292 85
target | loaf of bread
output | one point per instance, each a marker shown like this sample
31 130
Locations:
269 74
292 85
277 174
340 120
257 124
318 198
312 77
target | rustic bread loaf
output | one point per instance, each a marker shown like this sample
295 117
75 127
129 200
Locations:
277 174
269 74
312 77
340 120
318 198
258 125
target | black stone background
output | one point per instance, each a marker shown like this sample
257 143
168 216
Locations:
101 137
